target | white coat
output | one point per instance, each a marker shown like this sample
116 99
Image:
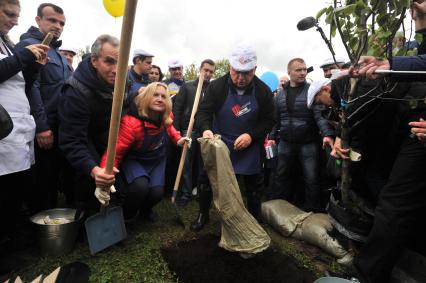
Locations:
17 149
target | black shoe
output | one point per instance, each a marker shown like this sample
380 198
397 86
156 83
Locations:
129 219
183 201
200 222
150 215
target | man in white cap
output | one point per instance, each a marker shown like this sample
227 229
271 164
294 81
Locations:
176 79
239 107
68 53
319 92
329 64
298 134
139 72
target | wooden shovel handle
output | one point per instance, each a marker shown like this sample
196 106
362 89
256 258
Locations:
188 135
120 81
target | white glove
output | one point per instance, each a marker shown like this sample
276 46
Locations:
103 195
182 141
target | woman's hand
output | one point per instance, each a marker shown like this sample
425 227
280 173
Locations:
181 142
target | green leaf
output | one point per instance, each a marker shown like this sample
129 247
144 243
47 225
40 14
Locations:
329 18
418 37
321 12
346 10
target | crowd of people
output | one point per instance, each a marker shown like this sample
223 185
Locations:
61 119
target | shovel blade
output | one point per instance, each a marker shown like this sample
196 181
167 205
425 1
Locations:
105 229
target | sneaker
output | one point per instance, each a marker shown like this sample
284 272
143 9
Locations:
194 192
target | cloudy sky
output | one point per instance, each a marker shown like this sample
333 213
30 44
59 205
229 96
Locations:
193 30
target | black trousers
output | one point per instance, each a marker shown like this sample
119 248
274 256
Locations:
138 195
400 215
11 199
51 173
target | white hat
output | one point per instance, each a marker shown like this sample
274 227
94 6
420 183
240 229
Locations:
314 88
68 48
243 58
141 52
175 63
330 61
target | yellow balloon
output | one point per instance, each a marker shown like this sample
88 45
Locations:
115 7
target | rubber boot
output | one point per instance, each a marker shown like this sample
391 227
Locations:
205 200
254 205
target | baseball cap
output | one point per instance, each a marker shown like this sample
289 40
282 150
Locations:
330 61
175 63
141 52
243 58
314 88
68 48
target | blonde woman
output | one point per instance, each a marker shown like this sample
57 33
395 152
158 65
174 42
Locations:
141 150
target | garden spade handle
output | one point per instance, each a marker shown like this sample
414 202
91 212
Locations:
120 81
188 135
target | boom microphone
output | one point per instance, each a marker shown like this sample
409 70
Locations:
306 23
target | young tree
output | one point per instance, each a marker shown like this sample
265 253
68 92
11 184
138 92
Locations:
366 27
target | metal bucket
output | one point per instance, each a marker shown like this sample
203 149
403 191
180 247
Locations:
333 280
56 239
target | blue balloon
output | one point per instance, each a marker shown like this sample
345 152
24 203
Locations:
270 79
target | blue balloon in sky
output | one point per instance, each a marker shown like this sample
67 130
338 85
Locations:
270 79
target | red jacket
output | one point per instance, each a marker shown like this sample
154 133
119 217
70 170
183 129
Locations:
131 134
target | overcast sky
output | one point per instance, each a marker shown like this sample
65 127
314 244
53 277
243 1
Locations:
193 30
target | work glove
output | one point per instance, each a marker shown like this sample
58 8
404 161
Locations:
104 195
182 141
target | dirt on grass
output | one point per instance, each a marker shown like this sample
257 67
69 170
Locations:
201 260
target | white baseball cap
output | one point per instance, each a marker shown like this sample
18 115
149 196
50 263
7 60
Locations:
330 61
68 48
243 58
314 88
175 63
141 52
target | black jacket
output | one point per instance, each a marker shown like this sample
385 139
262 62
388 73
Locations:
84 113
300 125
182 106
215 96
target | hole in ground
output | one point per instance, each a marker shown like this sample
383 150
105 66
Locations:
201 260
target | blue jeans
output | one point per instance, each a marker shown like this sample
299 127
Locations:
308 156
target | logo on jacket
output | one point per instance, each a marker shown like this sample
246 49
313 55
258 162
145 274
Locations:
157 145
241 110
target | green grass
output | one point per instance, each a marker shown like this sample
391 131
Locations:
139 258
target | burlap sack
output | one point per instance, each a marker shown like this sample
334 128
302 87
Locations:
240 230
312 228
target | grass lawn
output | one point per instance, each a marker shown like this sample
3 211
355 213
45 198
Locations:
139 258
